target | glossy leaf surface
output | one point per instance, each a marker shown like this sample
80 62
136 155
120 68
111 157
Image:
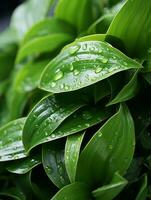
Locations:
45 117
79 189
82 64
72 151
83 119
100 158
54 164
128 91
126 21
25 165
11 148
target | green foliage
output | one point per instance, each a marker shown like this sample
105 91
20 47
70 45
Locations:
75 93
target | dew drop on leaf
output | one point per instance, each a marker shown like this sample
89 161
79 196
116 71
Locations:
58 75
76 72
74 49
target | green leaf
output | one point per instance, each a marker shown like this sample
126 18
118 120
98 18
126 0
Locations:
25 81
23 166
72 150
82 119
84 63
24 17
46 27
74 191
142 195
128 91
46 116
54 164
105 153
43 44
108 192
11 146
76 14
101 25
126 21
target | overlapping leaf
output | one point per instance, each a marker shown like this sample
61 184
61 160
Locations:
100 158
46 116
82 64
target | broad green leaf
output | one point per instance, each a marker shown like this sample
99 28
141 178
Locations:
108 192
43 44
142 195
11 146
25 81
72 150
132 27
24 17
101 25
84 63
54 164
46 116
23 166
46 27
82 119
128 91
79 13
105 153
74 191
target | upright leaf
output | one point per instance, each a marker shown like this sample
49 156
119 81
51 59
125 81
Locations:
54 164
72 151
78 11
84 63
132 27
105 153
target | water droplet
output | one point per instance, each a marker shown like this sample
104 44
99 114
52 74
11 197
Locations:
98 70
53 84
58 75
104 60
125 64
86 115
87 125
74 49
100 50
100 134
66 87
53 135
84 47
76 72
71 67
46 133
48 169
